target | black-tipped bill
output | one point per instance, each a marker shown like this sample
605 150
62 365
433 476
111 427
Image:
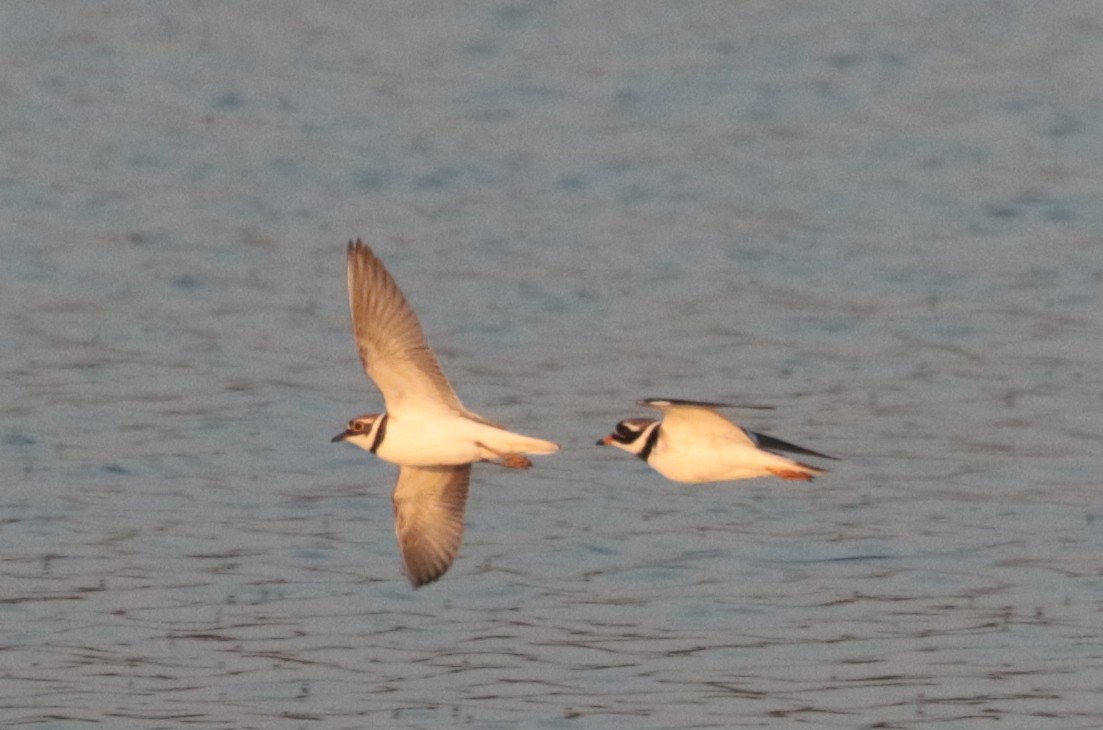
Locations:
340 437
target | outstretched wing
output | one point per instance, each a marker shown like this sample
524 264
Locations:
697 417
704 420
429 505
389 338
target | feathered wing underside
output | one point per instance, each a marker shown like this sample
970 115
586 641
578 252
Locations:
390 340
429 505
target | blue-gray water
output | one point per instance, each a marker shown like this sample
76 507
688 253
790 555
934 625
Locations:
882 218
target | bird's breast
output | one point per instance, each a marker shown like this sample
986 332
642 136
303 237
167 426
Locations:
430 441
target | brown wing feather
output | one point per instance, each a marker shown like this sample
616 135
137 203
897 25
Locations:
389 337
391 343
429 505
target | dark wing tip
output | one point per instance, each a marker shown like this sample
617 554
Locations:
426 563
423 576
773 443
357 245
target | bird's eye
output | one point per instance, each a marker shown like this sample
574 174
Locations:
624 429
356 425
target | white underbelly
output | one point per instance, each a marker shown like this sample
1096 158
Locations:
442 441
428 442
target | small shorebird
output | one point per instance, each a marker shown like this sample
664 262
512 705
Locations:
695 444
425 429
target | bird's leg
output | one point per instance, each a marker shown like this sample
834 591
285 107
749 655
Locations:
791 474
509 461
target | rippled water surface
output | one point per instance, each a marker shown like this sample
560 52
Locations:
881 218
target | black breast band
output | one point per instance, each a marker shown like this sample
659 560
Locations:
649 444
379 433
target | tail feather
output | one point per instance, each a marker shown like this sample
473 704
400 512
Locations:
538 446
518 443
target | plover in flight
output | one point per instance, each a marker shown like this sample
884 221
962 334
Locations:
695 444
425 429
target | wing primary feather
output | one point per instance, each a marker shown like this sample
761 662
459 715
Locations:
389 337
390 341
429 505
775 444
